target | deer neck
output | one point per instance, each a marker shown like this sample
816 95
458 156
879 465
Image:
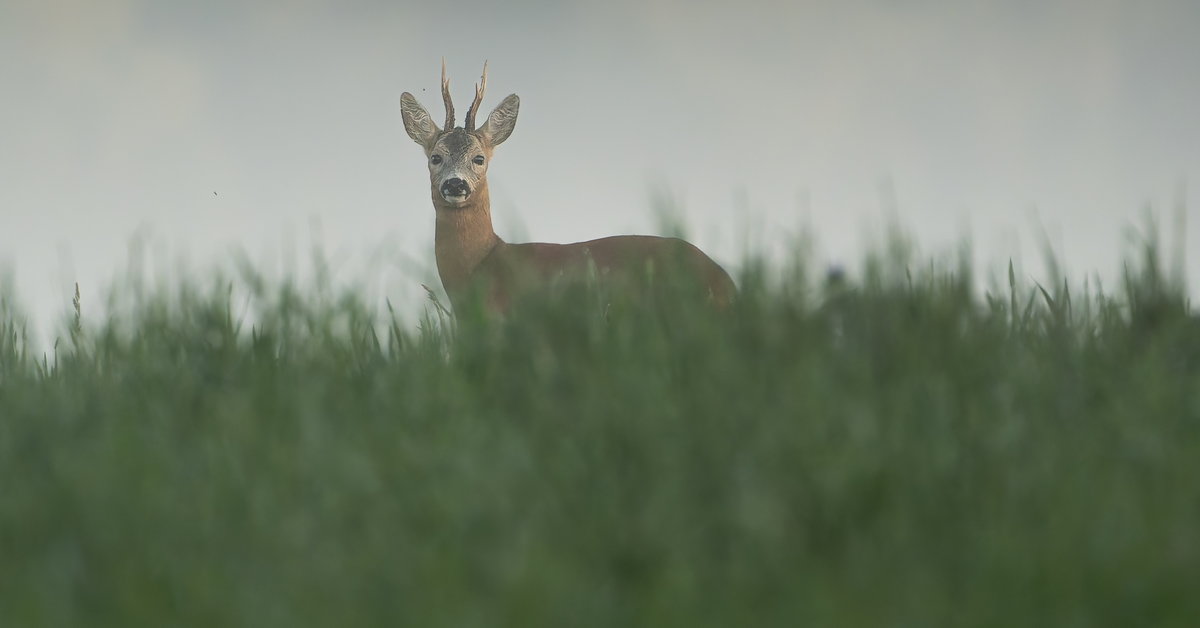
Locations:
463 237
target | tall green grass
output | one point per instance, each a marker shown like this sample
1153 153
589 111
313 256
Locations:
889 448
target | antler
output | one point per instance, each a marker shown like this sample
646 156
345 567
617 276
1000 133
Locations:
446 98
474 108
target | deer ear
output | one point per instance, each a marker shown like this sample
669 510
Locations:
502 120
417 123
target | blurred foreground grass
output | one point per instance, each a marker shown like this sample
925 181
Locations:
891 448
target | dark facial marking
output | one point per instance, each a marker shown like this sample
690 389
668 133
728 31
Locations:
457 141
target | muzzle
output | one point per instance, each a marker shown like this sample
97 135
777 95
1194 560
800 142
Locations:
455 190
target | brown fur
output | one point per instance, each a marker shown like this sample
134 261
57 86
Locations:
470 256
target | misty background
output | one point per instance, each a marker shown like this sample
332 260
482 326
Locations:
201 129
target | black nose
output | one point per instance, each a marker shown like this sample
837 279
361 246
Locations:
455 187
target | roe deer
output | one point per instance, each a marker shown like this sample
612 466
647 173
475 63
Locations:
471 257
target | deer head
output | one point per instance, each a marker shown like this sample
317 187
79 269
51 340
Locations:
458 157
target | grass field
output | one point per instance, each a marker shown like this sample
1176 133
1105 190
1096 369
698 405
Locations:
892 448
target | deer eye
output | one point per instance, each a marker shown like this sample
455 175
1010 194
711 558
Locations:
435 160
478 159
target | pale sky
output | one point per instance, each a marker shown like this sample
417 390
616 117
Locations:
989 120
